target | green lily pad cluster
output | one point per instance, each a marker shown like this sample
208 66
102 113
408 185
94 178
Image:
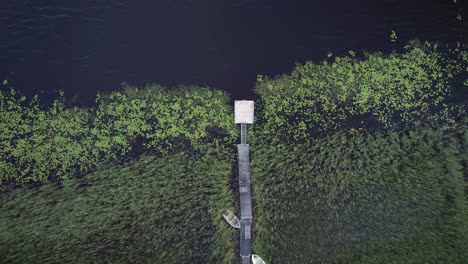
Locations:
376 92
38 144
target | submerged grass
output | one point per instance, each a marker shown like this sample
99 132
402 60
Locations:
397 198
151 210
344 198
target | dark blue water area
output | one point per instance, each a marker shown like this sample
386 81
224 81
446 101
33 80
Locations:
88 46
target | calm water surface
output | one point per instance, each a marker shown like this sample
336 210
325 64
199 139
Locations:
86 46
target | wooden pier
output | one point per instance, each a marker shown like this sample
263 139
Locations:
244 114
245 203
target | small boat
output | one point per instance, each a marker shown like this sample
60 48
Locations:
231 219
257 260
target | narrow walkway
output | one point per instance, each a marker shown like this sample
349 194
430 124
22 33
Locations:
245 203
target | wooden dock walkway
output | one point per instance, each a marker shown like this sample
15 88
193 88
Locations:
245 203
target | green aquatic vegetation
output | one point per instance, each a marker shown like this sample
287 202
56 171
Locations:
149 210
38 144
362 198
163 118
393 36
359 160
376 92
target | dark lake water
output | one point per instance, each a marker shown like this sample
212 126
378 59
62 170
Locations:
86 46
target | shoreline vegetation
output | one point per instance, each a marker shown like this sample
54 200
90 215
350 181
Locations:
357 159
